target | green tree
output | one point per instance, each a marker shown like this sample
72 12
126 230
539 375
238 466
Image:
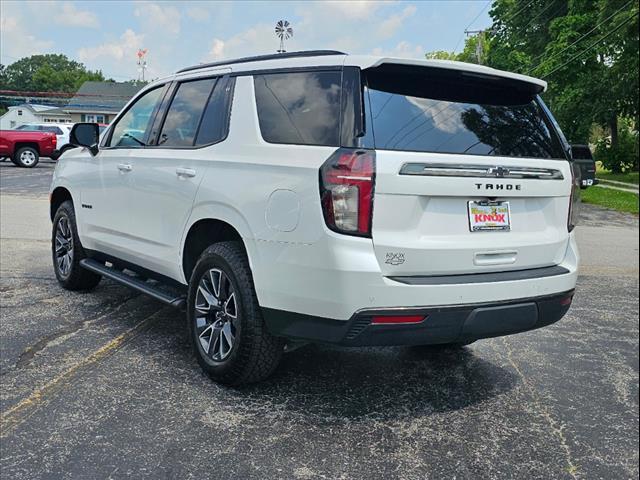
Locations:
440 55
51 73
587 50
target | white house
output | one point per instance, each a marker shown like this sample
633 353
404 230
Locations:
31 113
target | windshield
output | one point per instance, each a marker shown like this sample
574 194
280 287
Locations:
459 115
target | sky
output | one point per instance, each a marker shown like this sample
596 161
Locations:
106 35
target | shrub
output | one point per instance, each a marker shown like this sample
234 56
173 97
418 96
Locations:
623 157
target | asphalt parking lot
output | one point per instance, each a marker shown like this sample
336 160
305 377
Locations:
103 385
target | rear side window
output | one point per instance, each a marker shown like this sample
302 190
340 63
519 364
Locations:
301 108
459 114
184 114
215 120
55 130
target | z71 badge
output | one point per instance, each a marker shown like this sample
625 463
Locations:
394 258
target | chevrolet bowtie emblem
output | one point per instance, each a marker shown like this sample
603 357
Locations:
498 172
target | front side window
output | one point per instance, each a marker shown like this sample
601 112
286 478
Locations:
440 115
300 108
183 117
131 129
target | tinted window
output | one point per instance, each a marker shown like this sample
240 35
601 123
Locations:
214 124
183 117
55 130
581 152
299 108
131 129
433 115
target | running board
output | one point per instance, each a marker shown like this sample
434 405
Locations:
135 283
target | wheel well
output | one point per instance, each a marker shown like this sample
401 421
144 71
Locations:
58 196
18 146
201 235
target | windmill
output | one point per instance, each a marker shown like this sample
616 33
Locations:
284 31
142 63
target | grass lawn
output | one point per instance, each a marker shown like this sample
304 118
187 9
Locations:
629 177
616 199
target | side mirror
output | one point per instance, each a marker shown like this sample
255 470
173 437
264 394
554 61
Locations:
85 135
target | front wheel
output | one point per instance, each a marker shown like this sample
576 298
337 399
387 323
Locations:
227 332
67 252
27 157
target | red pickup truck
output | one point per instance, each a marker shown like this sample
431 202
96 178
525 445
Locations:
25 148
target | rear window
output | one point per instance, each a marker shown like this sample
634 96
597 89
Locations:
580 152
458 113
300 108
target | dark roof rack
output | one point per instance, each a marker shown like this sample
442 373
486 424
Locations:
259 58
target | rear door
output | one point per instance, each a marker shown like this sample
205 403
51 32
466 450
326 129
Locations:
470 175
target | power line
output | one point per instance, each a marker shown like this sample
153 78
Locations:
511 17
549 5
579 39
518 12
591 46
472 22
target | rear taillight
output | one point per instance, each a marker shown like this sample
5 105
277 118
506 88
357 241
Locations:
347 181
574 201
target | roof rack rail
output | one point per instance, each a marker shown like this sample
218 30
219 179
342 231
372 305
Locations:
259 58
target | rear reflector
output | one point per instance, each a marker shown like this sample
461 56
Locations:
397 319
566 301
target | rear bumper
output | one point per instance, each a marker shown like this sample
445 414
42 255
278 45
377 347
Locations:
441 324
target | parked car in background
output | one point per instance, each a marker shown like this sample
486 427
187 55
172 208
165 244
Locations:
25 148
60 130
584 159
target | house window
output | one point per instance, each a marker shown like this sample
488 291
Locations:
20 112
94 118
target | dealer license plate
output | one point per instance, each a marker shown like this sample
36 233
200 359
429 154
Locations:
487 216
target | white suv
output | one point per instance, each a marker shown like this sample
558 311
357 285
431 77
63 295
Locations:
324 197
61 131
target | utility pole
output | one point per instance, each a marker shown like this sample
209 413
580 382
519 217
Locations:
480 42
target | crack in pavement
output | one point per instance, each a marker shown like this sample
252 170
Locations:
30 352
21 411
558 431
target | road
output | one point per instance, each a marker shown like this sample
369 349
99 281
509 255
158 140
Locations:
103 385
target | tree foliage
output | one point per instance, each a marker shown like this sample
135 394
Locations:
587 51
49 73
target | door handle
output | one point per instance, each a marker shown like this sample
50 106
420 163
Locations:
185 172
124 167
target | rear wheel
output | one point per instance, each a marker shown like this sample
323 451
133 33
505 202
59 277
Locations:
67 252
26 157
226 329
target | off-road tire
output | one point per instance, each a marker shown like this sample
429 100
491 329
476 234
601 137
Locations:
255 353
32 152
77 278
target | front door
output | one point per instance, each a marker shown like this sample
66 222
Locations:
167 174
108 222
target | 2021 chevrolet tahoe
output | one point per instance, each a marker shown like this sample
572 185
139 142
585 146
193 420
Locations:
324 197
